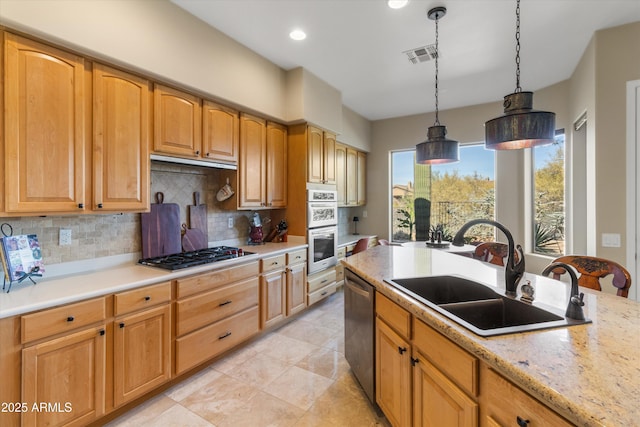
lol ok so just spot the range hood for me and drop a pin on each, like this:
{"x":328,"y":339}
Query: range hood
{"x":192,"y":162}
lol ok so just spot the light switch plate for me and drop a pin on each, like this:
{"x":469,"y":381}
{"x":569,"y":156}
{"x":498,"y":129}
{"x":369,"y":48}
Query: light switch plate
{"x":230,"y":222}
{"x":611,"y":240}
{"x":65,"y":237}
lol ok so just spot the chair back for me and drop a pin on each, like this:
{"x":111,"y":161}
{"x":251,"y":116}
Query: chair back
{"x":592,"y":269}
{"x":493,"y":253}
{"x":383,"y":242}
{"x":361,"y":245}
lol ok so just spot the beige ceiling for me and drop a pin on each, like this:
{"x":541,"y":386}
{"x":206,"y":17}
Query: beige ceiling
{"x":356,"y":45}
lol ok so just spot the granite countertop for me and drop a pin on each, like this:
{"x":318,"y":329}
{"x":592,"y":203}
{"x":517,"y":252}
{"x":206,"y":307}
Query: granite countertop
{"x":50,"y":292}
{"x":589,"y":373}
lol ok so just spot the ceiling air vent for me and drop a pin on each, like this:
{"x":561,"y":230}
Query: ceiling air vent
{"x":421,"y":54}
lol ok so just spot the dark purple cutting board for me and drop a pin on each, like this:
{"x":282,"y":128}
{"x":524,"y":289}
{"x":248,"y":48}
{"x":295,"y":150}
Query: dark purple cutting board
{"x":161,"y":229}
{"x":198,"y":221}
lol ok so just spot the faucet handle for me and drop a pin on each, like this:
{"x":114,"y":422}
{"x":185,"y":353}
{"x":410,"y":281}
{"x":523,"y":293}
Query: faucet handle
{"x":578,"y":300}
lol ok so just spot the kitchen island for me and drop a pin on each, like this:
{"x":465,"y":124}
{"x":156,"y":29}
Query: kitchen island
{"x":589,"y":374}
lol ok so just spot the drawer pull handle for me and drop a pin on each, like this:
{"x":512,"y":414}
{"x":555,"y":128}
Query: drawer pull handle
{"x":324,"y":281}
{"x":522,"y":422}
{"x":147,"y":298}
{"x":224,"y":336}
{"x":324,"y":293}
{"x":401,"y":350}
{"x":121,"y":325}
{"x":70,"y":319}
{"x":102,"y":332}
{"x":224,"y":303}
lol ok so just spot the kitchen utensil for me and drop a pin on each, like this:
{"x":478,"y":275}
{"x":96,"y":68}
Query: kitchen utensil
{"x":161,"y":229}
{"x":225,"y":192}
{"x":192,"y":239}
{"x":198,"y":220}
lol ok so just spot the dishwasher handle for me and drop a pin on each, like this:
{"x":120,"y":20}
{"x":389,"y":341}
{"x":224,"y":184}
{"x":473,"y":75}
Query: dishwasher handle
{"x":358,"y":288}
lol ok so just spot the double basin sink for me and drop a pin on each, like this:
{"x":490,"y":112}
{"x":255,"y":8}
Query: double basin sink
{"x":479,"y":308}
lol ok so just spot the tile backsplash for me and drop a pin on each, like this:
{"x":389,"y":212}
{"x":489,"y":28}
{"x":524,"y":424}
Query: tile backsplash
{"x":96,"y":236}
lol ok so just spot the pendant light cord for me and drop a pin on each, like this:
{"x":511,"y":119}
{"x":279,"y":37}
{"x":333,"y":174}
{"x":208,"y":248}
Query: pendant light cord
{"x":518,"y":88}
{"x":437,"y":122}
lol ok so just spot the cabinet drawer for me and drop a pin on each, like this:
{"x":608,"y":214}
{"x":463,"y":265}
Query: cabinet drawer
{"x":342,"y":252}
{"x":272,"y":263}
{"x":296,"y":257}
{"x":207,"y":281}
{"x":200,"y":310}
{"x":320,"y":280}
{"x":136,"y":299}
{"x":339,"y":273}
{"x":454,"y":362}
{"x":521,"y":404}
{"x":322,"y":293}
{"x":395,"y":316}
{"x":203,"y":344}
{"x":62,"y":319}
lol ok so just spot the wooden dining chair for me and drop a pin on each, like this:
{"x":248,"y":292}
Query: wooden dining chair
{"x":361,"y":245}
{"x":493,"y":253}
{"x":592,"y":269}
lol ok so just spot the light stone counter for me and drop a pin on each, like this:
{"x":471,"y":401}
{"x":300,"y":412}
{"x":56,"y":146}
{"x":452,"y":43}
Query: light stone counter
{"x":351,"y":239}
{"x":589,"y":373}
{"x":26,"y":297}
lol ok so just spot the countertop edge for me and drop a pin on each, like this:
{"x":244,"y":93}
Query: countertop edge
{"x":30,"y":298}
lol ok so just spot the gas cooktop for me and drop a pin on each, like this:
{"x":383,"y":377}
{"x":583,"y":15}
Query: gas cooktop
{"x":194,"y":258}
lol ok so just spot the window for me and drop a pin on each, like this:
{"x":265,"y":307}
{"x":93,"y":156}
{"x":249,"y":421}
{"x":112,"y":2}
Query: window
{"x":548,"y":197}
{"x":442,"y":197}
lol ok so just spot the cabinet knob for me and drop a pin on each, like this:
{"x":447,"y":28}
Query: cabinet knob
{"x":414,"y":362}
{"x":147,"y":298}
{"x":81,"y":205}
{"x":70,"y":319}
{"x":101,"y":332}
{"x":121,"y":325}
{"x":197,"y":152}
{"x":100,"y":206}
{"x":401,"y":350}
{"x":522,"y":422}
{"x":208,"y":154}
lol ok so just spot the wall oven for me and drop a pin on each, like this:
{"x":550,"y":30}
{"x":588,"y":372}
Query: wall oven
{"x":322,"y":226}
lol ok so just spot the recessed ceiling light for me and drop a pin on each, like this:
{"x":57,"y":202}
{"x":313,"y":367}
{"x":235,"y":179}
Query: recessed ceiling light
{"x":397,"y":4}
{"x":298,"y":35}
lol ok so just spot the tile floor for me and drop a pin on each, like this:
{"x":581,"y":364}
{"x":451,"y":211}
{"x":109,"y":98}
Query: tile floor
{"x":293,"y":376}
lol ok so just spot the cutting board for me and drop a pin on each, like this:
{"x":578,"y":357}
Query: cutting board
{"x":161,"y":229}
{"x":198,"y":221}
{"x":193,"y":239}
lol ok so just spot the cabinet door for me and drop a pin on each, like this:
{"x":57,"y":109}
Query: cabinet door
{"x":142,"y":355}
{"x":252,"y":168}
{"x":220,"y":133}
{"x":437,"y":401}
{"x":68,"y":372}
{"x":296,"y":283}
{"x":361,"y":178}
{"x":44,"y":128}
{"x":276,"y":165}
{"x":329,"y":158}
{"x":177,"y":122}
{"x":352,"y":177}
{"x":314,"y":155}
{"x":272,"y":298}
{"x":121,"y":125}
{"x":393,"y":375}
{"x":341,"y":174}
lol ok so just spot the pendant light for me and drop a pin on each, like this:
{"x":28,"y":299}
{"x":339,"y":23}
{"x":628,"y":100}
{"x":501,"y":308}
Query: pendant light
{"x":521,"y":126}
{"x":437,"y":149}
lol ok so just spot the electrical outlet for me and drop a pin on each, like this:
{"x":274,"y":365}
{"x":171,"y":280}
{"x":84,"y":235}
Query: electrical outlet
{"x":65,"y":237}
{"x":611,"y":240}
{"x":364,"y":214}
{"x":230,"y":223}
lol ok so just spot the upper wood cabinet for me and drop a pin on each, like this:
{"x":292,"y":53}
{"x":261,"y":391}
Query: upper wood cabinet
{"x":276,"y":165}
{"x":351,"y":173}
{"x":352,"y":177}
{"x":252,"y":167}
{"x":341,"y":174}
{"x":177,"y":122}
{"x":122,"y":121}
{"x":321,"y":157}
{"x":262,"y":171}
{"x":220,"y":133}
{"x":361,"y":193}
{"x":44,"y":116}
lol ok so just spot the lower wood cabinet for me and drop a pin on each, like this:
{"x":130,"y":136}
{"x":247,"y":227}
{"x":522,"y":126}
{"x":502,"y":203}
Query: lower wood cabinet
{"x":141,"y":353}
{"x":67,"y":375}
{"x":273,"y":298}
{"x":321,"y":285}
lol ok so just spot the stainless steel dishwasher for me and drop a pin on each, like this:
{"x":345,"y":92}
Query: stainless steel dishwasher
{"x":359,"y":331}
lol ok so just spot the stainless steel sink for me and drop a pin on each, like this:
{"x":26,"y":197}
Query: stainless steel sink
{"x":479,"y":308}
